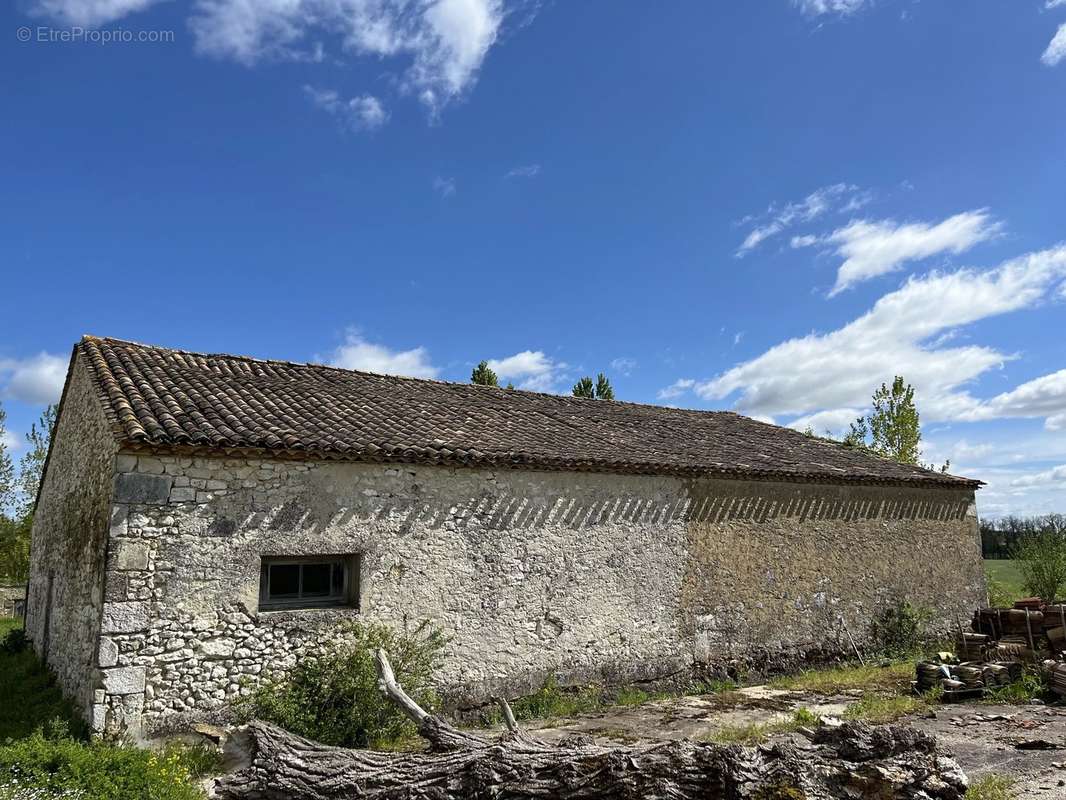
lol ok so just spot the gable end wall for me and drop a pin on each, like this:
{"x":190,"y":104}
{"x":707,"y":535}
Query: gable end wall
{"x":68,"y":542}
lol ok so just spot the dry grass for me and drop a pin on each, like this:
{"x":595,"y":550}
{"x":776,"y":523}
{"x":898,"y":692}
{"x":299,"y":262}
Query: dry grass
{"x":879,"y":709}
{"x":894,"y":677}
{"x":756,"y":733}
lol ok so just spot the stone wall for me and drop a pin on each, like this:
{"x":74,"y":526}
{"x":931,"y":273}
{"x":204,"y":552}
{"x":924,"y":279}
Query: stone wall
{"x":68,"y":542}
{"x":10,"y":598}
{"x":590,"y":576}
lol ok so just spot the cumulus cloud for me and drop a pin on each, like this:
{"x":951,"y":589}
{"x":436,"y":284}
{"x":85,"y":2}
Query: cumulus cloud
{"x":361,"y":113}
{"x":1055,"y":475}
{"x":442,"y":43}
{"x":676,"y":389}
{"x":446,"y":41}
{"x":870,"y":248}
{"x":1056,"y":49}
{"x":816,"y":8}
{"x":37,"y":380}
{"x":837,"y":370}
{"x":1041,"y":397}
{"x":833,"y":420}
{"x":838,"y":196}
{"x":358,"y":353}
{"x":530,"y":369}
{"x":528,"y":171}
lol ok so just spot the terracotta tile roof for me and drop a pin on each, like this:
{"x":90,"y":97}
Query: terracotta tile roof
{"x":161,"y":398}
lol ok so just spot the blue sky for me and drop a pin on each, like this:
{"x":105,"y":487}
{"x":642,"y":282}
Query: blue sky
{"x":769,"y":207}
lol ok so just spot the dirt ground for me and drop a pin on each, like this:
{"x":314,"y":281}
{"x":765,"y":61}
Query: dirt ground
{"x":981,"y":737}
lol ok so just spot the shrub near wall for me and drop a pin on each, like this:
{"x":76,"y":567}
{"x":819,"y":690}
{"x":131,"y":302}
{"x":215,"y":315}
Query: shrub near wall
{"x":334,"y":698}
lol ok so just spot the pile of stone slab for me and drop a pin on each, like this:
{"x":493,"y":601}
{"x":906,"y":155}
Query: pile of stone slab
{"x":966,"y":679}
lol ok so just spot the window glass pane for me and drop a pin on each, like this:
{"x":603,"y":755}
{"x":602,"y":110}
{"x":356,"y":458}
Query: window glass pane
{"x":284,"y":581}
{"x":316,"y":580}
{"x":338,"y":579}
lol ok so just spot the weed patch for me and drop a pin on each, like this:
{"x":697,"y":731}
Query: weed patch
{"x":756,"y":733}
{"x":895,"y":676}
{"x":29,"y":697}
{"x":991,"y":787}
{"x":878,"y":709}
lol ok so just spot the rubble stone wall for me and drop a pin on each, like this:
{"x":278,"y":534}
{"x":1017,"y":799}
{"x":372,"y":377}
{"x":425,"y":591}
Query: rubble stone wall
{"x":68,"y":542}
{"x":588,"y":576}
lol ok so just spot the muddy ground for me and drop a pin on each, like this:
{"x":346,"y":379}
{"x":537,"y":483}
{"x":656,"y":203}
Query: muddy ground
{"x":983,"y":738}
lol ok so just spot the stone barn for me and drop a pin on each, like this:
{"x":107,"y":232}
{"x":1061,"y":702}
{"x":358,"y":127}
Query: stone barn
{"x":205,"y":520}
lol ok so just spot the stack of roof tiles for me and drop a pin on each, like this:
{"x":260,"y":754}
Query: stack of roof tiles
{"x":161,"y":398}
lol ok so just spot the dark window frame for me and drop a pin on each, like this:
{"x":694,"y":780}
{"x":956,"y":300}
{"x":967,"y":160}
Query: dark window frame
{"x":347,"y":598}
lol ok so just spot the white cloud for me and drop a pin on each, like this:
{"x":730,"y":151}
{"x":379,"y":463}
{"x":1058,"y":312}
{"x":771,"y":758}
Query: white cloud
{"x":358,"y":353}
{"x":531,"y":369}
{"x":528,"y":171}
{"x":814,"y":205}
{"x":446,"y":40}
{"x":9,"y":441}
{"x":446,"y":186}
{"x":361,"y":113}
{"x":1054,"y":3}
{"x":676,"y":389}
{"x":870,"y":249}
{"x":1055,"y":475}
{"x":839,"y":369}
{"x":816,"y":8}
{"x":1056,"y":49}
{"x":36,"y":380}
{"x":442,"y":42}
{"x":1041,"y":397}
{"x":624,"y":366}
{"x":90,"y":13}
{"x":834,"y":420}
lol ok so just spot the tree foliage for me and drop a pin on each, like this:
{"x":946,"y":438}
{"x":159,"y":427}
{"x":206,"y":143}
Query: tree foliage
{"x":1041,"y":558}
{"x":484,"y":375}
{"x":18,"y":493}
{"x":334,"y":697}
{"x":31,"y":465}
{"x":600,"y":390}
{"x":7,"y":468}
{"x":892,"y":428}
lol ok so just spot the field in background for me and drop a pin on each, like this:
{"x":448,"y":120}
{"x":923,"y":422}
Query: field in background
{"x":1007,"y":573}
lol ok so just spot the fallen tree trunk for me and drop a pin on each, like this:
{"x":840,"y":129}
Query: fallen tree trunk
{"x":845,"y":761}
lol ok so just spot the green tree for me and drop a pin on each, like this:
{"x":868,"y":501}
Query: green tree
{"x":1041,"y":558}
{"x":31,"y":466}
{"x":484,"y":376}
{"x":892,"y":428}
{"x":604,"y":391}
{"x":7,"y":469}
{"x":600,"y":390}
{"x":584,"y":388}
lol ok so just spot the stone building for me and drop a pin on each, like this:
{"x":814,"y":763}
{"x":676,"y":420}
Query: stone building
{"x":208,"y":519}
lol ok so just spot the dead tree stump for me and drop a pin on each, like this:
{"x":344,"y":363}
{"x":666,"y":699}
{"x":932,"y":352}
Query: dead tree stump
{"x":851,"y":760}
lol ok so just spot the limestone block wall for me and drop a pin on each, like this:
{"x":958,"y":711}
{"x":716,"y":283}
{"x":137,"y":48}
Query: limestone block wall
{"x":68,"y":541}
{"x":591,"y":576}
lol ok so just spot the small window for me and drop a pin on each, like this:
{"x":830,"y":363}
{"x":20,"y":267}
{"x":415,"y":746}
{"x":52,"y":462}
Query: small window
{"x":308,"y":582}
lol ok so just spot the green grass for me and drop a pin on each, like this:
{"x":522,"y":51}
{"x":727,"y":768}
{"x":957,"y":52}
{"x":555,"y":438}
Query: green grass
{"x":29,"y":697}
{"x":1008,"y":576}
{"x":879,"y":708}
{"x":45,"y":750}
{"x":755,"y":733}
{"x":895,"y":676}
{"x":991,"y":787}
